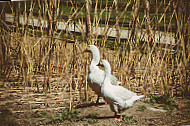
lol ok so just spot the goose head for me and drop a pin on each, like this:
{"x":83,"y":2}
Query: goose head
{"x":95,"y":53}
{"x":106,"y":66}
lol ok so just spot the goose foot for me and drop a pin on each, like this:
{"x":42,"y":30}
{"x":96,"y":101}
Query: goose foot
{"x":116,"y":117}
{"x":97,"y":101}
{"x":103,"y":106}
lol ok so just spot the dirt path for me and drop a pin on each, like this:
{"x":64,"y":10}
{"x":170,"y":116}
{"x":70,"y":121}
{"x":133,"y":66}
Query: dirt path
{"x":25,"y":106}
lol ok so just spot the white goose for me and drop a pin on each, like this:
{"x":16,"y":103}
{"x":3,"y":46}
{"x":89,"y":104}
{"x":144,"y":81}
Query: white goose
{"x":118,"y":97}
{"x":96,"y":75}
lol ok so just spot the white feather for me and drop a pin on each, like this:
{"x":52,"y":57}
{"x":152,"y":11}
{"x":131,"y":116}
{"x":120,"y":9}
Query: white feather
{"x":118,"y":97}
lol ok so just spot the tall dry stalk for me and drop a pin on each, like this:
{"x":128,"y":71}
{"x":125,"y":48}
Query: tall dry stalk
{"x":40,"y":54}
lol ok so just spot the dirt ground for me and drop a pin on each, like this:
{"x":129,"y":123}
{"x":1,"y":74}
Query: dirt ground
{"x":21,"y":105}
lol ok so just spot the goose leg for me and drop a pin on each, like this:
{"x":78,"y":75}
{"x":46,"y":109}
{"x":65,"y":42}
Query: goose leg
{"x":116,"y":117}
{"x":97,"y":101}
{"x":120,"y":117}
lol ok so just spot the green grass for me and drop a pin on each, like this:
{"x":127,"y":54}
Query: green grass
{"x":54,"y":119}
{"x":141,"y":108}
{"x":93,"y":115}
{"x":6,"y":118}
{"x":38,"y":115}
{"x":128,"y":120}
{"x":72,"y":116}
{"x":35,"y":107}
{"x":166,"y":101}
{"x":92,"y":121}
{"x":167,"y":107}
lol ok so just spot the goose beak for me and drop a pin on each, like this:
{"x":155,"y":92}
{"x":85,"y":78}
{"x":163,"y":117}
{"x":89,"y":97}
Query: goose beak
{"x":86,"y":50}
{"x":99,"y":64}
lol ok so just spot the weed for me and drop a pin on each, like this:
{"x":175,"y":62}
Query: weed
{"x":167,"y":107}
{"x":53,"y":119}
{"x":92,"y":121}
{"x":9,"y":122}
{"x":85,"y":124}
{"x":35,"y":107}
{"x":141,"y":108}
{"x":6,"y":119}
{"x":169,"y":113}
{"x":68,"y":104}
{"x":72,"y":116}
{"x":165,"y":100}
{"x":128,"y":120}
{"x":6,"y":111}
{"x":38,"y":115}
{"x":93,"y":115}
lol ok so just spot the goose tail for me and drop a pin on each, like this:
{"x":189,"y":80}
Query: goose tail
{"x":130,"y":102}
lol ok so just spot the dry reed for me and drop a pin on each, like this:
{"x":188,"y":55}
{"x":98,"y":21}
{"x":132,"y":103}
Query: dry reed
{"x":44,"y":56}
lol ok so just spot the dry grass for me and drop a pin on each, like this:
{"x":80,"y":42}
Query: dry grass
{"x":44,"y":57}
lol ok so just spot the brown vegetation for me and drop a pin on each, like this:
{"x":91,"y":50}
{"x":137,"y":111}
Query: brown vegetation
{"x":41,"y":56}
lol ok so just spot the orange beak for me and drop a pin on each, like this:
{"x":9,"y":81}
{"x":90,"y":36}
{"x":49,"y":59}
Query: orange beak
{"x":99,"y":64}
{"x":85,"y":50}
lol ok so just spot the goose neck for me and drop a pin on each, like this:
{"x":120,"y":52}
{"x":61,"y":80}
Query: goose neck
{"x":95,"y":58}
{"x":107,"y":70}
{"x":93,"y":67}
